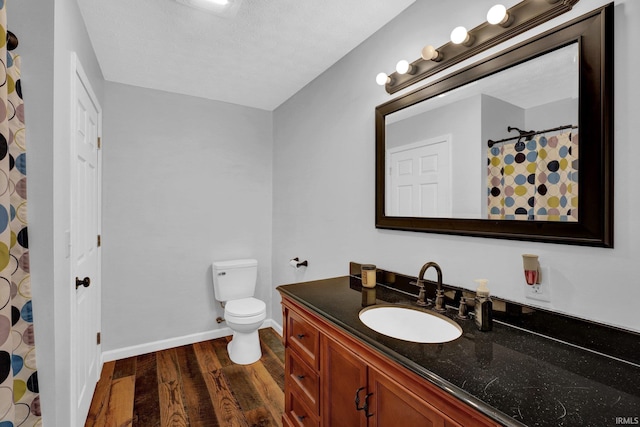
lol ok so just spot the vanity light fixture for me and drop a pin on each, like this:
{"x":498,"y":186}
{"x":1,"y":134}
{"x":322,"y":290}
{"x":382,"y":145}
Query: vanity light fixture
{"x":501,"y":25}
{"x":498,"y":15}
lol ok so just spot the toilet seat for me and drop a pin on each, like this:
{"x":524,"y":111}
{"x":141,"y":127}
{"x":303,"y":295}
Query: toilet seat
{"x":245,"y":310}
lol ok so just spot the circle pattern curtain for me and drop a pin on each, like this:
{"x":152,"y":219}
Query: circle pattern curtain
{"x":19,"y":398}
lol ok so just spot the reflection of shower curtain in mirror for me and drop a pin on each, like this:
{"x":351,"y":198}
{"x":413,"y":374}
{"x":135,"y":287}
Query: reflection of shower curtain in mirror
{"x":534,"y":180}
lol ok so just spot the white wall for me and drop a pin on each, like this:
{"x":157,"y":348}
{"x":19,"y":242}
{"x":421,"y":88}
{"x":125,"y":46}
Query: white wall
{"x":45,"y":28}
{"x":324,"y":177}
{"x":186,"y":181}
{"x":554,"y":114}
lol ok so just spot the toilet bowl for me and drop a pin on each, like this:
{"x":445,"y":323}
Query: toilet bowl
{"x":234,"y":284}
{"x":244,"y":317}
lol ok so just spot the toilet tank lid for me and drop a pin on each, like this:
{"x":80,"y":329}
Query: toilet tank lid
{"x":236,"y":263}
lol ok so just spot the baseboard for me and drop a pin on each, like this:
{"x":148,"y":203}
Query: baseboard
{"x":136,"y":350}
{"x":270,"y":323}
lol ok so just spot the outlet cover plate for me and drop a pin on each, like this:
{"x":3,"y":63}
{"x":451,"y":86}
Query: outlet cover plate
{"x":541,"y":291}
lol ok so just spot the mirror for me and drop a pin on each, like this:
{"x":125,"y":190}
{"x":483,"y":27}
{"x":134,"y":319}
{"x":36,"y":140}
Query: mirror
{"x":495,"y":149}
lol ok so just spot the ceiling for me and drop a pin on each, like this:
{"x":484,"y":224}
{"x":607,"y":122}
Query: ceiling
{"x":258,"y":57}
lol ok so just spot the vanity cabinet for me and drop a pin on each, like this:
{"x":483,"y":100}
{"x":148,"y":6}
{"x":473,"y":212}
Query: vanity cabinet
{"x":327,"y":370}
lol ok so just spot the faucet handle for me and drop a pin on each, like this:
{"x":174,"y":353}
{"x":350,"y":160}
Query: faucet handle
{"x":462,"y":310}
{"x":422,"y":295}
{"x":440,"y":302}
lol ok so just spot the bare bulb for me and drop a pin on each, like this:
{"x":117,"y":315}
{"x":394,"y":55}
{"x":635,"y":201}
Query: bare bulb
{"x":403,"y":67}
{"x":429,"y":53}
{"x":497,"y":15}
{"x":459,"y":35}
{"x":382,"y":79}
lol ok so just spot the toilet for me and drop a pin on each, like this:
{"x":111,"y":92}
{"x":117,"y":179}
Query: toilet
{"x":234,"y":283}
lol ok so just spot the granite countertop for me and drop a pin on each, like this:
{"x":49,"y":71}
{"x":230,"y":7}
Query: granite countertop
{"x":513,"y":376}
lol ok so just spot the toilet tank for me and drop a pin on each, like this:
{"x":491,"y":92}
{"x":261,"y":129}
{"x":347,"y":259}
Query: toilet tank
{"x":234,"y":279}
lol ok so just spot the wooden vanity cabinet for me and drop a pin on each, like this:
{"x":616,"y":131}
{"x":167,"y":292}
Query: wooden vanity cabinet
{"x":344,"y":369}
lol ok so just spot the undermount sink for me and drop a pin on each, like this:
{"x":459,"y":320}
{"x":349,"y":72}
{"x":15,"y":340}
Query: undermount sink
{"x":410,"y":324}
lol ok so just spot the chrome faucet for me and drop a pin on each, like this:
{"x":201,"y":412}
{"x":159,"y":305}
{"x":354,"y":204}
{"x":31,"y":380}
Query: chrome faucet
{"x":439,"y":305}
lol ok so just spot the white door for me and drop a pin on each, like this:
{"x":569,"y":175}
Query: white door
{"x":85,"y":252}
{"x":419,"y":179}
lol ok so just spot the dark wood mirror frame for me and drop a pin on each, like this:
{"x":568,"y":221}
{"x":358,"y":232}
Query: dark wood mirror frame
{"x":594,"y":34}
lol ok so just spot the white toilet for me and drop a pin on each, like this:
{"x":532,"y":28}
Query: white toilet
{"x":234,"y":283}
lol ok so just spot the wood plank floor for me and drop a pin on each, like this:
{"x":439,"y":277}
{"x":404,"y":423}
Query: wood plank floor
{"x":194,"y":385}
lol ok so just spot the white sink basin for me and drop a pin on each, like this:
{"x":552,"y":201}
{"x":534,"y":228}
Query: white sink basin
{"x":410,"y":324}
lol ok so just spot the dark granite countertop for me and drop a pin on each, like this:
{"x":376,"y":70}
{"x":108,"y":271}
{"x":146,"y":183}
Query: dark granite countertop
{"x":513,"y":376}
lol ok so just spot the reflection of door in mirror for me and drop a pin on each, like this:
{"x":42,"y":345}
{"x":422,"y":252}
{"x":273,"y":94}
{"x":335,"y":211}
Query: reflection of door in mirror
{"x":419,"y":178}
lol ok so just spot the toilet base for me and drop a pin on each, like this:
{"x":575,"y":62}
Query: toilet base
{"x":244,"y":348}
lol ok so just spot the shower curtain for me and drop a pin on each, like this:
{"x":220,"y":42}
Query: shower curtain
{"x":19,"y":399}
{"x":534,"y":180}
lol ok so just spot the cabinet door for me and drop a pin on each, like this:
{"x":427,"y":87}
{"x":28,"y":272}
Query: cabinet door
{"x":342,"y":375}
{"x":394,"y":406}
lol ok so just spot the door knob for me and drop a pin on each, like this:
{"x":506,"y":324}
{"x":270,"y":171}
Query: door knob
{"x":84,"y":282}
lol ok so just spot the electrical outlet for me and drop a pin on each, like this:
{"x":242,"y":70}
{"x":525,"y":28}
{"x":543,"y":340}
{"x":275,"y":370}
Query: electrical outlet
{"x":540,"y":291}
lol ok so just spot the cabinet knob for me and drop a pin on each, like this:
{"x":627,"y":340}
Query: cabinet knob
{"x":300,"y":336}
{"x":301,"y":417}
{"x":300,"y":377}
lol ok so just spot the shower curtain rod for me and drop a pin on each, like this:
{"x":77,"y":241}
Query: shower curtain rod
{"x":528,"y":134}
{"x":12,"y":41}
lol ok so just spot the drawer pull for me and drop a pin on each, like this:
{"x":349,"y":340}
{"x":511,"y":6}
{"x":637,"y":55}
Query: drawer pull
{"x":364,"y":407}
{"x":300,"y":336}
{"x":357,"y":400}
{"x":301,"y":417}
{"x":300,"y":377}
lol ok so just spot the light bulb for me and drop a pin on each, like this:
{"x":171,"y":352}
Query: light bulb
{"x":497,"y":15}
{"x":382,"y":79}
{"x":429,"y":53}
{"x":459,"y":35}
{"x":403,"y":67}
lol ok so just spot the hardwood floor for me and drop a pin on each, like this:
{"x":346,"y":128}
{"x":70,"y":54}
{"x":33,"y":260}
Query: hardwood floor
{"x":193,"y":385}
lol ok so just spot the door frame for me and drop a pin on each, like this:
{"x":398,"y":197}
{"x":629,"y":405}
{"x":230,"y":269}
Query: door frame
{"x":77,"y":72}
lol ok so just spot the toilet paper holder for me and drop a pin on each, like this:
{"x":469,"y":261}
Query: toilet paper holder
{"x":296,"y":263}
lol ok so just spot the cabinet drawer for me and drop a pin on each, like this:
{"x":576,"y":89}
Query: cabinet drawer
{"x":297,"y":414}
{"x":303,"y":337}
{"x":302,"y":380}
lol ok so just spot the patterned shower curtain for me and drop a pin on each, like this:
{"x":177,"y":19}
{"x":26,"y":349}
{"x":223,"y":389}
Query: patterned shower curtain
{"x":534,"y":180}
{"x":19,"y":399}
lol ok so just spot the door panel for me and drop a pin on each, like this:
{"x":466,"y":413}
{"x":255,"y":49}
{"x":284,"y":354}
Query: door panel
{"x":342,"y":375}
{"x":419,"y":177}
{"x":85,"y":205}
{"x":394,"y":406}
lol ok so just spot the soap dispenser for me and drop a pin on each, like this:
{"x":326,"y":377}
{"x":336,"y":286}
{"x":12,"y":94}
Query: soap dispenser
{"x":483,"y":306}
